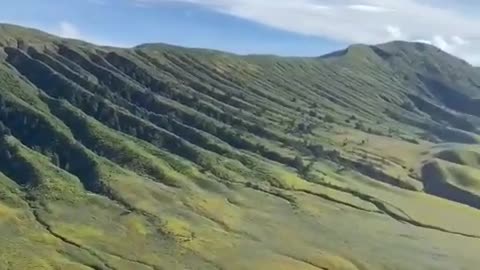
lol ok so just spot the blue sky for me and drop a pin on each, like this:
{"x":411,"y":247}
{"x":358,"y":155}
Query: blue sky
{"x":285,"y":27}
{"x":127,"y":23}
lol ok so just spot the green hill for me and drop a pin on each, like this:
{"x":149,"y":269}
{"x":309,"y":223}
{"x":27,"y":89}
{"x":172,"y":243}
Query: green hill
{"x":161,"y":157}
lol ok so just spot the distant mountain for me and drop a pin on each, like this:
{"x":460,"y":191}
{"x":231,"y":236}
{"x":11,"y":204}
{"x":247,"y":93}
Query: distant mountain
{"x":162,"y":157}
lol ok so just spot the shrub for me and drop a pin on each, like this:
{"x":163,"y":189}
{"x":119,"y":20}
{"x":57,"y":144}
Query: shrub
{"x":317,"y":150}
{"x":359,"y":126}
{"x":297,"y":163}
{"x":329,"y":118}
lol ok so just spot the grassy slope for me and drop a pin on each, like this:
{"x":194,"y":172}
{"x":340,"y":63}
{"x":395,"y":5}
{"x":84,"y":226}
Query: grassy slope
{"x":160,"y":157}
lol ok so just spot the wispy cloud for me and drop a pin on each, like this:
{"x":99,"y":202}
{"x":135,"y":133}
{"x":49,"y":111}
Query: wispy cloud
{"x":368,"y":8}
{"x":68,"y":30}
{"x":395,"y":32}
{"x":360,"y":21}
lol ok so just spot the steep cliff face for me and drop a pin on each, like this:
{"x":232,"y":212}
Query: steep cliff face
{"x":160,"y":157}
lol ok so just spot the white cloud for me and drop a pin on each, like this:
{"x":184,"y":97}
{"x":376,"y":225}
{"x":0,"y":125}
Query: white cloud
{"x":459,"y":41}
{"x":424,"y":41}
{"x":395,"y":32}
{"x":441,"y":43}
{"x":68,"y":30}
{"x":368,"y":8}
{"x":361,"y":21}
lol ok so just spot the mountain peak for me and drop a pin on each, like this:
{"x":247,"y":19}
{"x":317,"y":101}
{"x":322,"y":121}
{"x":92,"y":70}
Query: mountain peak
{"x":391,"y":47}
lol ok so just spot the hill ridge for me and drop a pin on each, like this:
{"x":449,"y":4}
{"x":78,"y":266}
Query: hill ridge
{"x":12,"y":28}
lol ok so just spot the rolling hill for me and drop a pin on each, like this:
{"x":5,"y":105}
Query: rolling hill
{"x":162,"y":157}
